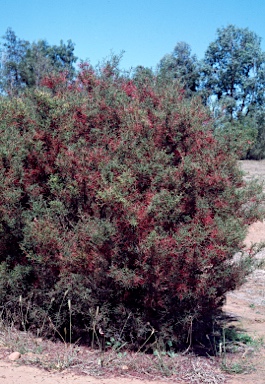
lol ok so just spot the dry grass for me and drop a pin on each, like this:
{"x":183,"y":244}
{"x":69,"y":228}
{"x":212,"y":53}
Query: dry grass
{"x":82,"y":360}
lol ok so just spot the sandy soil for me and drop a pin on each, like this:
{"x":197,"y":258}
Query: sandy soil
{"x":11,"y":374}
{"x":246,"y":306}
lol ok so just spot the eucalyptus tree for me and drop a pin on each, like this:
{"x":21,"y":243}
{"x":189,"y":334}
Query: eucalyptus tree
{"x":233,"y":83}
{"x":182,"y":66}
{"x":42,"y":59}
{"x":24,"y":64}
{"x":13,"y":50}
{"x":234,"y":71}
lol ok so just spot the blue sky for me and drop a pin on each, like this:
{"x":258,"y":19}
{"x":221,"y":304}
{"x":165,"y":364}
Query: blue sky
{"x":145,"y":29}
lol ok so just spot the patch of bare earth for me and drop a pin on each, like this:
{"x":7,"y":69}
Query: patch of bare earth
{"x":55,"y":363}
{"x":247,"y":304}
{"x":61,"y":363}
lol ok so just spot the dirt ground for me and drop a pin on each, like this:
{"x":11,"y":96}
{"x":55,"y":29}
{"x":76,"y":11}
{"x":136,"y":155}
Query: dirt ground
{"x":246,"y":305}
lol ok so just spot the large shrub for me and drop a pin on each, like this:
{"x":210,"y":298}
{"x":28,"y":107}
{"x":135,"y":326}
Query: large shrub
{"x":116,"y":196}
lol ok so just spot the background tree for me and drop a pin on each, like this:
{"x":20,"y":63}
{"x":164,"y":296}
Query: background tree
{"x":234,"y":69}
{"x":233,"y":78}
{"x":181,"y":65}
{"x":143,"y":75}
{"x":257,"y":151}
{"x":12,"y":53}
{"x":41,"y":59}
{"x":25,"y":65}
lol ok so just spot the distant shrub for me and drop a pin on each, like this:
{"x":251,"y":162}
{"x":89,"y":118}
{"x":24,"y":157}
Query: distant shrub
{"x":239,"y":137}
{"x":257,"y":151}
{"x":116,"y":196}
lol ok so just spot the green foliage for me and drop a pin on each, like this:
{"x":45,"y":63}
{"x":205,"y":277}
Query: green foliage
{"x":14,"y":49}
{"x":143,"y":76}
{"x":232,"y":80}
{"x":42,"y":59}
{"x":25,"y":64}
{"x":181,"y":66}
{"x":238,"y":136}
{"x":232,"y":335}
{"x":257,"y":151}
{"x":14,"y":281}
{"x":234,"y":70}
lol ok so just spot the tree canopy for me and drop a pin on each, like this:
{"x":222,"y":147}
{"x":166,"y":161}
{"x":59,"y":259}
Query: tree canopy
{"x":234,"y":71}
{"x":182,"y":66}
{"x":25,"y":64}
